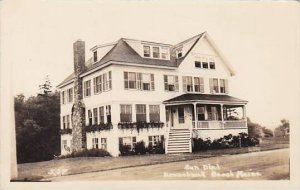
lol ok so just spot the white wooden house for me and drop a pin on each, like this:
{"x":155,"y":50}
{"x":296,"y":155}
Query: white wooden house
{"x":135,"y":90}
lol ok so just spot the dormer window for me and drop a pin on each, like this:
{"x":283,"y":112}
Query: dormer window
{"x":155,"y":52}
{"x":146,"y":51}
{"x":164,"y":53}
{"x":95,"y":56}
{"x":179,"y":53}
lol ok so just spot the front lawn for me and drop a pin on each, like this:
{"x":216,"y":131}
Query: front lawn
{"x":69,"y":166}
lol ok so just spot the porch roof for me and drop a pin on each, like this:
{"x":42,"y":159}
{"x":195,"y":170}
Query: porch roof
{"x":207,"y":98}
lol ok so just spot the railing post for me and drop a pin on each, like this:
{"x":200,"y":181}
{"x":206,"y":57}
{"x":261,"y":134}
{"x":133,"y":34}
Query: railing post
{"x":195,"y":115}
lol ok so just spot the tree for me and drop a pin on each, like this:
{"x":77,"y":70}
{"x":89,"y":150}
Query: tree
{"x":254,"y":129}
{"x":37,"y":126}
{"x":46,"y":87}
{"x":283,"y":130}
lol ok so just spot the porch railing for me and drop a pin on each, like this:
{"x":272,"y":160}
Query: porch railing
{"x":219,"y":124}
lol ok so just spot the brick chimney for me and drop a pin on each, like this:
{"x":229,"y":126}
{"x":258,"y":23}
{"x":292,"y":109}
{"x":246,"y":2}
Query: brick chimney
{"x":78,"y":109}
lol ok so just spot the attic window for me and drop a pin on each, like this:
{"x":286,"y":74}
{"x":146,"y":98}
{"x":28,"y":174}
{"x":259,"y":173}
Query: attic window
{"x":164,"y":53}
{"x":146,"y":51}
{"x":155,"y":52}
{"x":198,"y":64}
{"x":95,"y":56}
{"x":179,"y":53}
{"x":212,"y":65}
{"x":204,"y":63}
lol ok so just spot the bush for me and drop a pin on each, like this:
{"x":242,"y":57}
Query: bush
{"x":228,"y":141}
{"x":140,"y":148}
{"x":124,"y":149}
{"x":87,"y":153}
{"x":157,"y":149}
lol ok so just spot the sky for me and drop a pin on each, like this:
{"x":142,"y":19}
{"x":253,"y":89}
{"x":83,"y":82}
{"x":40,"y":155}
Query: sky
{"x":260,"y":39}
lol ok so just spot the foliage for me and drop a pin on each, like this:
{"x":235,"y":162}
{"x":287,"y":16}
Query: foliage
{"x":157,"y":149}
{"x":140,"y":148}
{"x":258,"y":131}
{"x":65,"y":131}
{"x":228,"y":141}
{"x":125,"y":150}
{"x":37,"y":127}
{"x":283,"y":129}
{"x":140,"y":125}
{"x":98,"y":127}
{"x":87,"y":153}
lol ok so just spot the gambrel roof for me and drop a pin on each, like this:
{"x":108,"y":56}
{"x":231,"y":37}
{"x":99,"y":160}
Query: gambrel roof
{"x":123,"y":52}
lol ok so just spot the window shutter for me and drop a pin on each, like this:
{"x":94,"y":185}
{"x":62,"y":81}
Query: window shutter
{"x":176,"y":84}
{"x":166,"y":82}
{"x":152,"y":82}
{"x":126,"y":80}
{"x":226,"y":86}
{"x":139,"y":81}
{"x":211,"y":85}
{"x":110,"y":79}
{"x":201,"y":85}
{"x":94,"y":82}
{"x":184,"y":82}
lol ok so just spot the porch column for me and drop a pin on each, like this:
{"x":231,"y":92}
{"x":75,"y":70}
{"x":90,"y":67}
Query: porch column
{"x":222,"y":117}
{"x":195,"y":115}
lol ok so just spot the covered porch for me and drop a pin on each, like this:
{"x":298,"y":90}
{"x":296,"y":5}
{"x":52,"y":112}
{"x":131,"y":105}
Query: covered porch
{"x":205,"y":111}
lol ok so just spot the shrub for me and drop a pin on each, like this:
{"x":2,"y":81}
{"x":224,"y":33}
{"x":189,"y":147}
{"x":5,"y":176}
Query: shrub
{"x":140,"y":148}
{"x":157,"y":149}
{"x":87,"y":153}
{"x":125,"y":150}
{"x":228,"y":141}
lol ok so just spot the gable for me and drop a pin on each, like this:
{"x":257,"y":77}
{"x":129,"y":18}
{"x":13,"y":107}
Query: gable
{"x":204,"y":50}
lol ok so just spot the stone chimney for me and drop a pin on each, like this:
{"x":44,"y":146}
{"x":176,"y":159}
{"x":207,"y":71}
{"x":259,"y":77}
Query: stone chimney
{"x":78,"y":109}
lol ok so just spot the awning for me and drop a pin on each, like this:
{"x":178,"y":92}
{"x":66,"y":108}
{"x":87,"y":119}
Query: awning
{"x":204,"y":98}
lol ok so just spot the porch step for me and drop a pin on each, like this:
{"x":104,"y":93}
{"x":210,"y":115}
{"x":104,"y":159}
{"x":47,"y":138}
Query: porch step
{"x":179,"y":141}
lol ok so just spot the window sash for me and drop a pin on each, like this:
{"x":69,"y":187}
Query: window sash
{"x":146,"y":51}
{"x":155,"y":52}
{"x":126,"y":113}
{"x":95,"y":110}
{"x":171,"y":83}
{"x":187,"y":83}
{"x":101,"y":114}
{"x":95,"y":143}
{"x":87,"y":88}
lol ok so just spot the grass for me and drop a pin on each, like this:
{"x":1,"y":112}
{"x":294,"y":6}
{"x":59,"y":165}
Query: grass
{"x":42,"y":170}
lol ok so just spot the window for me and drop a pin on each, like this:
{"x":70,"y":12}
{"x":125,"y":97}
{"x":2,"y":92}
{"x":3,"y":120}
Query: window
{"x":198,"y":64}
{"x":139,"y":81}
{"x":70,"y":95}
{"x":222,"y":86}
{"x":180,"y":115}
{"x":212,"y":65}
{"x":95,"y":143}
{"x":128,"y":141}
{"x":130,"y":80}
{"x":171,"y":83}
{"x":63,"y":97}
{"x":95,"y":56}
{"x":140,"y":112}
{"x":101,"y":114}
{"x":87,"y":88}
{"x":187,"y":84}
{"x":154,"y":113}
{"x":68,"y":121}
{"x":164,"y":53}
{"x":126,"y":113}
{"x":214,"y":85}
{"x":95,"y":110}
{"x":97,"y":84}
{"x":212,"y":113}
{"x":64,"y":144}
{"x":199,"y":84}
{"x":90,"y":117}
{"x":153,"y":140}
{"x":64,"y":122}
{"x":204,"y":63}
{"x":104,"y":143}
{"x":201,"y":113}
{"x":179,"y":53}
{"x":108,"y":114}
{"x":146,"y":51}
{"x":155,"y":52}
